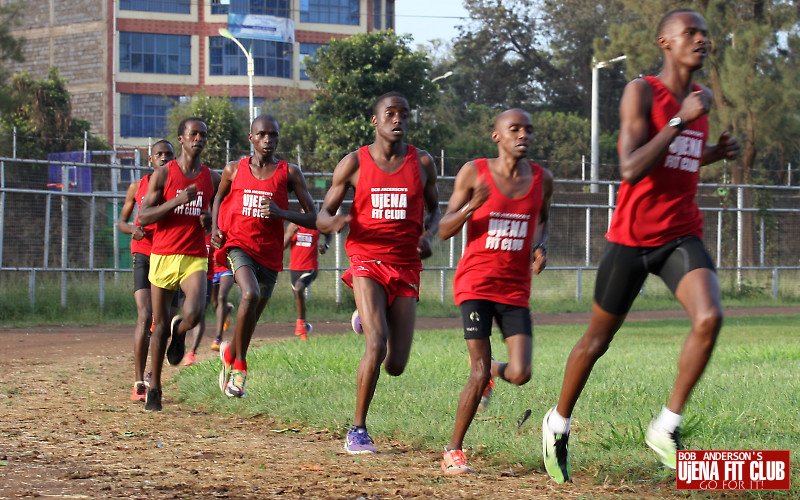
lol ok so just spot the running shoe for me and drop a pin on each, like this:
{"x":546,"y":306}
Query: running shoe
{"x":225,"y":373}
{"x":355,"y":322}
{"x":235,"y":385}
{"x":153,"y":400}
{"x":139,"y":392}
{"x":555,"y":450}
{"x":148,"y":378}
{"x":228,"y":311}
{"x":358,"y":441}
{"x":215,"y":344}
{"x":455,"y":462}
{"x":188,"y":360}
{"x":177,"y":343}
{"x":302,"y":330}
{"x":486,"y":397}
{"x":666,"y":444}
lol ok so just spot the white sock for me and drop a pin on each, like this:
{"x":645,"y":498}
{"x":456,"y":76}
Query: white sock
{"x":667,"y":420}
{"x":558,"y":424}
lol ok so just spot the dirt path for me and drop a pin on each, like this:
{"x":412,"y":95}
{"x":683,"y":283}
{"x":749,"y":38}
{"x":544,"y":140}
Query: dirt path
{"x":67,"y":429}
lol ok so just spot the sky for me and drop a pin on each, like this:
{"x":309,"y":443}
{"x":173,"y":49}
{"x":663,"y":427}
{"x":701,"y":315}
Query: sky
{"x":429,"y":19}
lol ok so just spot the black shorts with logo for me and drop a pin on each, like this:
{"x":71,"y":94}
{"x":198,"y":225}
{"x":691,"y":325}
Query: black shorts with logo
{"x":477,"y":316}
{"x":623,"y":269}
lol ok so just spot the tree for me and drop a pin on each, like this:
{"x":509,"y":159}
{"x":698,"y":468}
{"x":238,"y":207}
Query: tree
{"x":350,"y":74}
{"x":225,"y":121}
{"x":10,"y":46}
{"x":41,"y":112}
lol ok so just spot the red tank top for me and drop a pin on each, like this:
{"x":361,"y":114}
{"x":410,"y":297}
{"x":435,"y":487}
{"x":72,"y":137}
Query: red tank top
{"x":387,"y":212}
{"x":496,"y":264}
{"x":145,"y":244}
{"x":304,"y":256}
{"x":260,"y":238}
{"x":180,"y":232}
{"x":662,"y":207}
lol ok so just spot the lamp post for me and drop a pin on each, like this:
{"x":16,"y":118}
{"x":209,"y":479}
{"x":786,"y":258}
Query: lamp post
{"x":596,"y":65}
{"x":250,"y":68}
{"x":442,"y":77}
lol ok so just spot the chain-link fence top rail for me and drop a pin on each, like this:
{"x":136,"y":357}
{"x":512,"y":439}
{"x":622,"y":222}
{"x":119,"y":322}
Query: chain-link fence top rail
{"x":61,"y":216}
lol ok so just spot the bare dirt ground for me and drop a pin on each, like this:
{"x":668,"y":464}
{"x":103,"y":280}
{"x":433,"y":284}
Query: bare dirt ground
{"x":68,"y":430}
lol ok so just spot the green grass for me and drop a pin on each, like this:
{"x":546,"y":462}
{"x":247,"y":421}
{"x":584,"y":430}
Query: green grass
{"x":552,"y":292}
{"x":748,"y":398}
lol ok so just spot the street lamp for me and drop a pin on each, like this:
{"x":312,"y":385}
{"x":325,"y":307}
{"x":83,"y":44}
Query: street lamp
{"x":442,"y":77}
{"x":250,"y":68}
{"x":596,"y":65}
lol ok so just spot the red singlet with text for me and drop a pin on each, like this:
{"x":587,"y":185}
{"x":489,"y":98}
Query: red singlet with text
{"x":304,"y":256}
{"x":261,"y":238}
{"x":145,"y":244}
{"x":496,"y":264}
{"x":387,"y":212}
{"x":180,"y":232}
{"x":662,"y":207}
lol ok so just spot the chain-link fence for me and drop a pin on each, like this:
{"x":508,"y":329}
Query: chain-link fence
{"x":57,"y":221}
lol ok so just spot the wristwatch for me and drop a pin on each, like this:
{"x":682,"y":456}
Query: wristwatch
{"x":677,"y":123}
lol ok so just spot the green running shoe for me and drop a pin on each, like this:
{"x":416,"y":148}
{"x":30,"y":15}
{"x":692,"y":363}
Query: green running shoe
{"x":665,"y":444}
{"x":555,"y":450}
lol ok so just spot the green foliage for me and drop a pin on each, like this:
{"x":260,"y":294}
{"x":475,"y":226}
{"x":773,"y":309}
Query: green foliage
{"x":11,"y":15}
{"x":350,"y":74}
{"x":225,"y":121}
{"x":41,"y":111}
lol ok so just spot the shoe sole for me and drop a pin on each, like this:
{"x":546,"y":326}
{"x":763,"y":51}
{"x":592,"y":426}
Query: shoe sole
{"x":546,"y":429}
{"x":224,"y":374}
{"x":358,"y":329}
{"x":177,"y":343}
{"x":454,"y":472}
{"x":359,"y":452}
{"x":662,"y":457}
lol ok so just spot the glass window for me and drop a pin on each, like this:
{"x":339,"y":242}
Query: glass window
{"x":269,"y":58}
{"x":330,"y":11}
{"x":308,"y":50}
{"x":144,"y":115}
{"x":277,"y":8}
{"x":155,"y":53}
{"x":172,"y":6}
{"x":376,"y":14}
{"x":389,"y":15}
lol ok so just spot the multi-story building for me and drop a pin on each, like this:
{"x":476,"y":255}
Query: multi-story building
{"x":129,"y":61}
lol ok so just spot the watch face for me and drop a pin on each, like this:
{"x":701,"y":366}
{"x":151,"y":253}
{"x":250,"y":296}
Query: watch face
{"x":675,"y":122}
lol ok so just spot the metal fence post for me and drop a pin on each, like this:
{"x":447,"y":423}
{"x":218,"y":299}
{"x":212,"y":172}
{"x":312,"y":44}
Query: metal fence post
{"x":588,"y":236}
{"x":32,"y":289}
{"x":774,"y":282}
{"x":64,"y":232}
{"x":102,"y":289}
{"x":739,"y":232}
{"x":579,"y":284}
{"x":2,"y":207}
{"x":92,"y":215}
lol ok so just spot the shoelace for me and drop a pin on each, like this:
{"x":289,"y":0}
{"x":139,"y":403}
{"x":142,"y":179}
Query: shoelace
{"x":458,"y":458}
{"x":363,"y":438}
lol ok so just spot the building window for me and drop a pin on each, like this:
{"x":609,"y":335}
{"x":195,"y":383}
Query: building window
{"x":171,"y":6}
{"x":389,"y":15}
{"x":155,"y":53}
{"x":277,"y":8}
{"x":269,"y":58}
{"x":376,"y":14}
{"x":330,"y":11}
{"x":308,"y":50}
{"x":144,"y":115}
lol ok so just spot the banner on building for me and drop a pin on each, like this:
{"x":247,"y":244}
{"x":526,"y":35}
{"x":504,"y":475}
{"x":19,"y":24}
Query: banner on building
{"x":278,"y":29}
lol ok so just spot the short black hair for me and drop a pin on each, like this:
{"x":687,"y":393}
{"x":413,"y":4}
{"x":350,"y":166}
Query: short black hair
{"x":163,"y":141}
{"x":265,"y":117}
{"x":665,"y":20}
{"x":384,"y":96}
{"x":182,"y":124}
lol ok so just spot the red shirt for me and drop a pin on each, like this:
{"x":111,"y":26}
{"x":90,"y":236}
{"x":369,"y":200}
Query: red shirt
{"x":180,"y":232}
{"x":145,"y":244}
{"x":387,"y":212}
{"x":496,"y":264}
{"x":260,"y":238}
{"x":662,"y":207}
{"x":304,"y":256}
